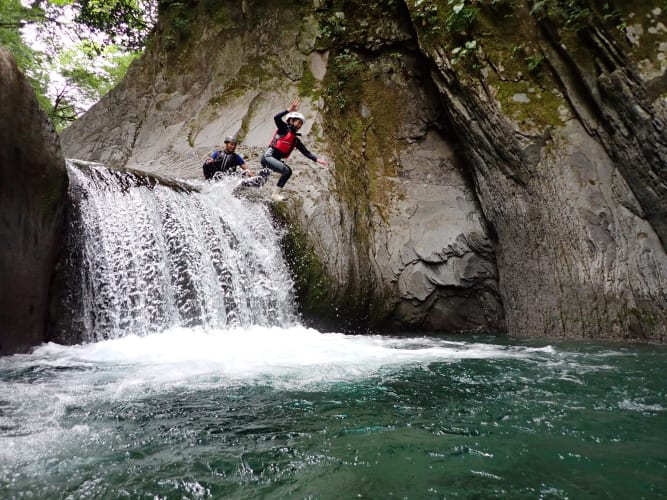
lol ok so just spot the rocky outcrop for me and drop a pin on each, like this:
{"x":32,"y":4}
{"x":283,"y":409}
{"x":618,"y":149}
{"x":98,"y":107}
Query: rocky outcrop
{"x":33,"y":185}
{"x":491,"y":170}
{"x":576,"y":195}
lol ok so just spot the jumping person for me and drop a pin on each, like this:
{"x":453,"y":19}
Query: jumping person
{"x":225,"y":161}
{"x":285,"y":139}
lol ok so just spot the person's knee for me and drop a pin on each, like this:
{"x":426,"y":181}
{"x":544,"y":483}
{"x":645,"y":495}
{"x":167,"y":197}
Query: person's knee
{"x":273,"y":164}
{"x":264,"y":161}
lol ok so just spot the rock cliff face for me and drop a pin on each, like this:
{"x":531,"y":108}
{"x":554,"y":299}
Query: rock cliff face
{"x":33,"y":186}
{"x":494,"y":166}
{"x":569,"y":165}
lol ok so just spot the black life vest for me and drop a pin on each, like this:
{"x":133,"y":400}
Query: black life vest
{"x":286,"y":143}
{"x":224,"y":163}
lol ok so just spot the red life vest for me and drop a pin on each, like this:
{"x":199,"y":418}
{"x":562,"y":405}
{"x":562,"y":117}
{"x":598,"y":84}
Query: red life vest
{"x":284,"y":143}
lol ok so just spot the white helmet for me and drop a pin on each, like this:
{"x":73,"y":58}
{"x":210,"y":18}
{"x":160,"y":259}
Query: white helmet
{"x":295,"y":114}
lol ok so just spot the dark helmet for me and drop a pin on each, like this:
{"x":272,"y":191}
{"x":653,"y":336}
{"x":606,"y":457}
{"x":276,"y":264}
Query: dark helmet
{"x":230,"y":138}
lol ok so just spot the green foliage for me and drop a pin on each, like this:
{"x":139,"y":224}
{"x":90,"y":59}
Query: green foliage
{"x":457,"y":16}
{"x":462,"y":17}
{"x":574,"y":14}
{"x":34,"y":64}
{"x":467,"y":50}
{"x":94,"y":77}
{"x":178,"y":16}
{"x":351,"y":20}
{"x":122,"y":22}
{"x":85,"y":74}
{"x":67,"y":76}
{"x":455,"y":24}
{"x":119,"y":65}
{"x":13,"y":16}
{"x":535,"y":63}
{"x":345,"y":79}
{"x":180,"y":24}
{"x":426,"y":14}
{"x":332,"y":27}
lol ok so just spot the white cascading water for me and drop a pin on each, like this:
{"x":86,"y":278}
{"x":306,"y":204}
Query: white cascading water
{"x":155,"y":258}
{"x":189,"y":283}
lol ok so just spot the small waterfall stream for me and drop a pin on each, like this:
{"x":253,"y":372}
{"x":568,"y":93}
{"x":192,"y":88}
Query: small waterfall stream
{"x":143,"y":256}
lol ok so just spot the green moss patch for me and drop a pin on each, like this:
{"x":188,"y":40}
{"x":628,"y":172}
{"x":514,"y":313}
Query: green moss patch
{"x":530,"y":107}
{"x":308,"y":85}
{"x":525,"y":89}
{"x":311,"y":279}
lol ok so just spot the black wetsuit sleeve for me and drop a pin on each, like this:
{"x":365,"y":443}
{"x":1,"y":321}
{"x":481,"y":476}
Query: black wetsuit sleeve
{"x":304,"y":151}
{"x":282,"y":126}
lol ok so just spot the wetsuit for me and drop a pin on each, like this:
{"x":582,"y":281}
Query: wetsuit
{"x":221,"y":161}
{"x":273,"y":158}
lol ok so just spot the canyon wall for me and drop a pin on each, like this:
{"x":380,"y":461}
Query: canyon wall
{"x":494,"y":166}
{"x":33,"y":187}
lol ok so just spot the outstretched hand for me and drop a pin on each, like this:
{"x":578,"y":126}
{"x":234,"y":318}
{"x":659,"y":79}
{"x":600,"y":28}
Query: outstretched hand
{"x":294,"y":105}
{"x":322,"y":162}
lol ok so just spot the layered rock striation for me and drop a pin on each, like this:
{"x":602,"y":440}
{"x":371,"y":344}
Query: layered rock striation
{"x":569,"y":165}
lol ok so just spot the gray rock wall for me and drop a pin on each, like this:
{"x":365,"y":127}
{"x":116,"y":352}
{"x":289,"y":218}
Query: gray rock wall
{"x":33,"y":185}
{"x":576,"y":198}
{"x":509,"y":176}
{"x":398,"y":239}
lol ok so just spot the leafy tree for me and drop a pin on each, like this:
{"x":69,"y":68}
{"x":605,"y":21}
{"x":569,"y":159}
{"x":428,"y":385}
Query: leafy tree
{"x":87,"y":72}
{"x":74,"y":51}
{"x":12,"y":17}
{"x":124,"y":22}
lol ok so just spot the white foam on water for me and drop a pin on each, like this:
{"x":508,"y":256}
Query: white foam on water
{"x":640,"y":406}
{"x":286,"y":358}
{"x":40,"y":389}
{"x":263,"y":353}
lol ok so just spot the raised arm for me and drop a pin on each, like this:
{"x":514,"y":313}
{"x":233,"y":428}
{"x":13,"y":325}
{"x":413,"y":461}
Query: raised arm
{"x":282,"y":126}
{"x":280,"y":123}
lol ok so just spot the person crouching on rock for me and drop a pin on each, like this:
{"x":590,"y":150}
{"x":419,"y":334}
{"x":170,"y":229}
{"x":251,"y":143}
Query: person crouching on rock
{"x":225,"y":161}
{"x":285,"y":139}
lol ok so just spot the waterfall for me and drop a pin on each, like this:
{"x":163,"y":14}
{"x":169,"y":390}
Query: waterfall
{"x":143,"y":256}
